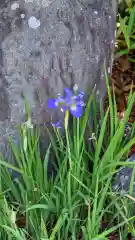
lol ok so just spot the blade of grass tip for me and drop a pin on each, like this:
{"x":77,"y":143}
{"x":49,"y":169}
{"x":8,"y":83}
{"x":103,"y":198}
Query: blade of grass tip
{"x":110,"y":103}
{"x":58,"y":225}
{"x":27,"y":108}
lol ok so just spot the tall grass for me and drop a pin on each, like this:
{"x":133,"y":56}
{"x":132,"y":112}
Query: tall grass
{"x":77,"y":199}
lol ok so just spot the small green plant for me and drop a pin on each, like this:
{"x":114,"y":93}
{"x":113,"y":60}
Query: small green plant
{"x":126,"y":31}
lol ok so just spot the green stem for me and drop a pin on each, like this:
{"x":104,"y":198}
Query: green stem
{"x":67,"y":137}
{"x":78,"y":138}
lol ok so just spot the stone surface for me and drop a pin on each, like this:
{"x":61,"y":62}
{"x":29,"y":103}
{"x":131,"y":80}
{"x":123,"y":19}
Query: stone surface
{"x":123,"y":178}
{"x":68,"y":47}
{"x":33,"y":22}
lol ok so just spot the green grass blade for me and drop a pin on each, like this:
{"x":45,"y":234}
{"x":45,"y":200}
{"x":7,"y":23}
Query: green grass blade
{"x":131,"y":21}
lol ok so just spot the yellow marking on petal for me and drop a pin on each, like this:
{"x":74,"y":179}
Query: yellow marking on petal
{"x":73,"y":107}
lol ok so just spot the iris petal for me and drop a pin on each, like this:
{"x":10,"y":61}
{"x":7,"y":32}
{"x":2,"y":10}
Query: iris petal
{"x":81,"y":95}
{"x":57,"y":124}
{"x":60,"y":99}
{"x":76,"y":111}
{"x":81,"y":103}
{"x":68,"y":93}
{"x":64,"y":108}
{"x":53,"y":103}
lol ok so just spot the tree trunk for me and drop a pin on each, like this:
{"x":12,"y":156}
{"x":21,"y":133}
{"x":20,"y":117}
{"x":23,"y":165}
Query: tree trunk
{"x":47,"y":45}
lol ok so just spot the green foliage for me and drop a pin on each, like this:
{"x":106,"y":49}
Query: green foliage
{"x":73,"y":203}
{"x":126,"y":28}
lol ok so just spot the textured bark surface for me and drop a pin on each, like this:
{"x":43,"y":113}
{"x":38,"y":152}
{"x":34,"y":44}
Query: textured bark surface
{"x":69,"y":47}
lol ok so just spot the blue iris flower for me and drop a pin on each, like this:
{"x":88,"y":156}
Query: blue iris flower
{"x":72,"y":102}
{"x":57,"y":124}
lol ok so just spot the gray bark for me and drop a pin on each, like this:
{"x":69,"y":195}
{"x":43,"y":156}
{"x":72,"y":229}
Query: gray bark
{"x":69,"y":47}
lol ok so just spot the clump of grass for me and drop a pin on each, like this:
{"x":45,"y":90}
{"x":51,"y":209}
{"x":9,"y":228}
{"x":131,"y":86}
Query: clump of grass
{"x":74,"y":203}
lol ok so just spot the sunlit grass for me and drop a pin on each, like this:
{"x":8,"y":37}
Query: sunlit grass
{"x":74,"y":201}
